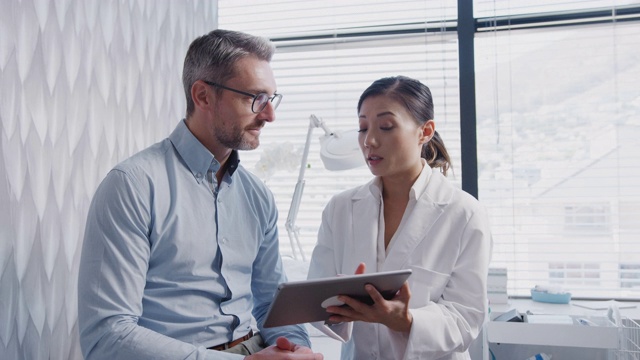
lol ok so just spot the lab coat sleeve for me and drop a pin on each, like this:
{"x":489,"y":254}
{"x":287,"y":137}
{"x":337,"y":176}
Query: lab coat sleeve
{"x":325,"y":262}
{"x":340,"y":332}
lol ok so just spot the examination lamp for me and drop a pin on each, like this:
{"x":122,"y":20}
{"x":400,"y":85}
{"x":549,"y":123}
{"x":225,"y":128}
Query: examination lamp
{"x":338,"y":151}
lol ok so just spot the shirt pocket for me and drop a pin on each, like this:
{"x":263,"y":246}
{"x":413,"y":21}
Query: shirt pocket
{"x":426,"y":285}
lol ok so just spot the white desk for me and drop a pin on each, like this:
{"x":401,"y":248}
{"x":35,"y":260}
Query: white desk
{"x":524,"y":305}
{"x":519,"y":333}
{"x":603,"y":336}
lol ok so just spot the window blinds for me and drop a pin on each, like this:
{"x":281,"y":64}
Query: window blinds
{"x":325,"y":75}
{"x":558,"y":113}
{"x":557,"y":117}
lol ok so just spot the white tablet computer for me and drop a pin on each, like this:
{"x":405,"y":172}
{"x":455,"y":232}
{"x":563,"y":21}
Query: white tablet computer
{"x":298,"y":302}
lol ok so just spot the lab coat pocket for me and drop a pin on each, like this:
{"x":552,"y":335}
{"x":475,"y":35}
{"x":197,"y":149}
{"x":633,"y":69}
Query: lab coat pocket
{"x":426,"y":285}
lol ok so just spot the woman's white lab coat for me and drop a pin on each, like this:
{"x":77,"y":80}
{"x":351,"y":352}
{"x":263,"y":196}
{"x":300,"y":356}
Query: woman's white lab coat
{"x":446,"y":241}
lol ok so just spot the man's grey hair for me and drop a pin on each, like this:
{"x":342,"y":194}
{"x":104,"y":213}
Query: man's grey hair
{"x":213,"y":57}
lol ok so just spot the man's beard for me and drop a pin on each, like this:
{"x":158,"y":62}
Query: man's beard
{"x":232,"y":138}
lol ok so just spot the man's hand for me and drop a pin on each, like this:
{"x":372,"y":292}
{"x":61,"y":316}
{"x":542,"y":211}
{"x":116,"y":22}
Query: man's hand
{"x":285,"y":350}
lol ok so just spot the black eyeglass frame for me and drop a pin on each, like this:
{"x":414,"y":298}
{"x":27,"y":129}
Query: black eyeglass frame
{"x":275,"y":99}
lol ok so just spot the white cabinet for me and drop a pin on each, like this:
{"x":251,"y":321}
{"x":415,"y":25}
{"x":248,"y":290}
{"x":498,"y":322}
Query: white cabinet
{"x":563,"y":330}
{"x":601,"y":337}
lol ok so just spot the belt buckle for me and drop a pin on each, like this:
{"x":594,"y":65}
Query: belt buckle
{"x":232,"y":343}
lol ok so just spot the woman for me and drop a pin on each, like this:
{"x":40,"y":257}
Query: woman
{"x":408,"y":216}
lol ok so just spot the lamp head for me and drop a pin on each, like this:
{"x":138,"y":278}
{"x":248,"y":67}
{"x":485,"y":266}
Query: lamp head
{"x":340,"y":151}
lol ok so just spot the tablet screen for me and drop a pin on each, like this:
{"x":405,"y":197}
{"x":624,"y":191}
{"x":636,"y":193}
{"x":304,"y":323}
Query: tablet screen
{"x":298,"y":302}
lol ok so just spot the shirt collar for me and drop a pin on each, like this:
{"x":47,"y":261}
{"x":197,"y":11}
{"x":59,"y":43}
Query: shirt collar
{"x":233,"y":161}
{"x":417,"y":188}
{"x":195,"y":155}
{"x":421,"y":182}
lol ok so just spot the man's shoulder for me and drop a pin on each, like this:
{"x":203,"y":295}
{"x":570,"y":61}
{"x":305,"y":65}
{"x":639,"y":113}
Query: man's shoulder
{"x":251,"y":181}
{"x":146,"y":160}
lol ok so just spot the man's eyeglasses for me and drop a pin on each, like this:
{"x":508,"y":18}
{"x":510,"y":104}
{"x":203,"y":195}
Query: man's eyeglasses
{"x":260,"y":100}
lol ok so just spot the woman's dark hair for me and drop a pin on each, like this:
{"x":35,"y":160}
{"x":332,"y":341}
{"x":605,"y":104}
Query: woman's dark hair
{"x":416,"y":98}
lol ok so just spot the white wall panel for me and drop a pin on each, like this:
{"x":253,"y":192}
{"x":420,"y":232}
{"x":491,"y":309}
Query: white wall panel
{"x":83,"y":85}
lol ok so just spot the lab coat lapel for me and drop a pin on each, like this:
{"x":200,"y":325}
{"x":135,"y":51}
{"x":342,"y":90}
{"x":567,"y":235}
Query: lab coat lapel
{"x":430,"y":205}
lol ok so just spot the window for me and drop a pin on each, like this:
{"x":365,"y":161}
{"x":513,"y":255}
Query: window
{"x":571,"y":274}
{"x":586,"y":220}
{"x":630,"y":275}
{"x":558,"y":122}
{"x":557,"y":119}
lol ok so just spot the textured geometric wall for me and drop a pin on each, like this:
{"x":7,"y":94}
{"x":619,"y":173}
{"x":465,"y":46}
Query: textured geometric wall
{"x":83,"y":85}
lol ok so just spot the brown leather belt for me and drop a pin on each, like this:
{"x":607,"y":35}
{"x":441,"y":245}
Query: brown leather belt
{"x":233,"y":343}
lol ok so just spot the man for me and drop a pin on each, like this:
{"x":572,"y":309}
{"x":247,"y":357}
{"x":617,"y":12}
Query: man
{"x":181,"y":242}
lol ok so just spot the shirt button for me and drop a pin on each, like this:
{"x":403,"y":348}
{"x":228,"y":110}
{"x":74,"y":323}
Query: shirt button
{"x":199,"y":175}
{"x":224,"y":240}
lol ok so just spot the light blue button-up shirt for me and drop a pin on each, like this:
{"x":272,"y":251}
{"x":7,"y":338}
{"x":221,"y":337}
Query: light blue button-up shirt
{"x":172,"y":262}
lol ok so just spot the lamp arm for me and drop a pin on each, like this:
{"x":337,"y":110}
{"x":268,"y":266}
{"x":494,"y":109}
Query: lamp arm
{"x":321,"y":124}
{"x":290,"y":224}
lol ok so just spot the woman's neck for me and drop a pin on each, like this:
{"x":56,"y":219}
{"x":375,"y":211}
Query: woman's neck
{"x":399,"y":186}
